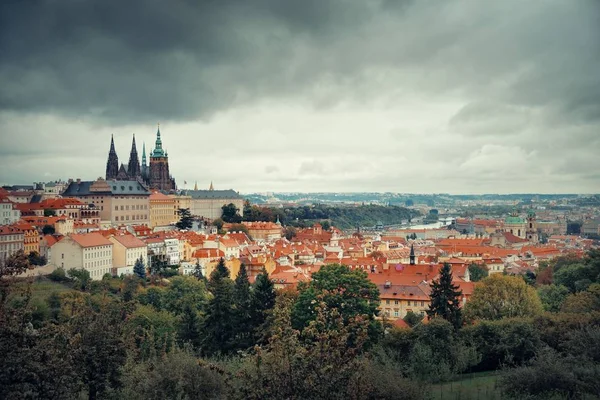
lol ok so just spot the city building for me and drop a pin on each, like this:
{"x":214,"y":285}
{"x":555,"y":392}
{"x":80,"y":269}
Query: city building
{"x":31,"y":238}
{"x":9,"y":213}
{"x":162,"y":210}
{"x":127,"y":249}
{"x":209,"y":203}
{"x":120,"y":202}
{"x":12,"y":239}
{"x":90,"y":251}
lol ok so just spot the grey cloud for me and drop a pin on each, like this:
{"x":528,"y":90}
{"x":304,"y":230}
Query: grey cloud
{"x":313,"y":167}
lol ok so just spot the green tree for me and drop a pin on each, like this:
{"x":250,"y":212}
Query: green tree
{"x":185,"y":219}
{"x":348,"y":291}
{"x":445,"y":298}
{"x":552,"y":296}
{"x":239,"y":228}
{"x":581,"y":302}
{"x":183,"y":290}
{"x":219,"y":321}
{"x":81,"y":278}
{"x":290,"y":232}
{"x":48,"y":212}
{"x":576,"y":277}
{"x":190,"y":326}
{"x":231,"y":214}
{"x":262,"y":301}
{"x":502,"y":296}
{"x":139,"y":269}
{"x":197,"y":273}
{"x":478,"y":272}
{"x":412,"y":318}
{"x":48,"y":230}
{"x":153,"y":331}
{"x":242,"y":309}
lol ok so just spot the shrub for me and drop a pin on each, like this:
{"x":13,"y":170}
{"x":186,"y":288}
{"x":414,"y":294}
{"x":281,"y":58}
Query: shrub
{"x":58,"y":275}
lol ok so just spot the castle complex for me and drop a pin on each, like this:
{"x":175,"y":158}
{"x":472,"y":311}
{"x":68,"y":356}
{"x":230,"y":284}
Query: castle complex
{"x":156,"y":175}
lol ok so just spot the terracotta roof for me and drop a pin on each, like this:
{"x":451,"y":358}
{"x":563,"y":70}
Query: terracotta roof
{"x":10,"y":230}
{"x":129,"y":241}
{"x":90,"y":239}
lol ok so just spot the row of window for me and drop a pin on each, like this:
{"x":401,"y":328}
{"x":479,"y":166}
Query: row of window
{"x":133,"y":217}
{"x":96,"y":254}
{"x":97,"y":263}
{"x":133,"y":207}
{"x":414,"y":302}
{"x":11,"y":238}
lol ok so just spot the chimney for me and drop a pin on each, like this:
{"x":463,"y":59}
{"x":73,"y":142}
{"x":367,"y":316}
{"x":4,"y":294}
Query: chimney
{"x":78,"y":180}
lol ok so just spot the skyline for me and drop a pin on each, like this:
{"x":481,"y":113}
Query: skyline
{"x":401,"y":97}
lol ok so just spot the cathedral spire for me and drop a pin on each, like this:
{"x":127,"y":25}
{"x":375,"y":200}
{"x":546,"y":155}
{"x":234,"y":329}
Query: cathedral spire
{"x":196,"y":186}
{"x":211,"y":186}
{"x":112,"y":164}
{"x":158,"y":150}
{"x":133,"y":168}
{"x":412,"y":254}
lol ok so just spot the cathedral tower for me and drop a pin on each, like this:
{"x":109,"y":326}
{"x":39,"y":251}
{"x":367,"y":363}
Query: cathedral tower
{"x":112,"y":165}
{"x":159,"y":176}
{"x":144,"y":165}
{"x":133,"y":168}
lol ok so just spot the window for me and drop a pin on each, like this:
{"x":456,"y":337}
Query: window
{"x":409,"y":303}
{"x":62,"y":256}
{"x":387,"y":302}
{"x":116,"y":208}
{"x":395,"y":301}
{"x":422,"y":304}
{"x":396,"y":313}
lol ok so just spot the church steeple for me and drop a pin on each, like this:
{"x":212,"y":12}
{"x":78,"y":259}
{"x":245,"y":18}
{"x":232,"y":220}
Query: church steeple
{"x":144,"y":164}
{"x":196,"y":185}
{"x":412,"y":254}
{"x":158,"y":150}
{"x":133,"y":168}
{"x":112,"y":164}
{"x":211,"y":186}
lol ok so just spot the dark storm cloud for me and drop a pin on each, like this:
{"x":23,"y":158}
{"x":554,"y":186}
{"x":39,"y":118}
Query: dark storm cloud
{"x":467,"y":92}
{"x":134,"y":60}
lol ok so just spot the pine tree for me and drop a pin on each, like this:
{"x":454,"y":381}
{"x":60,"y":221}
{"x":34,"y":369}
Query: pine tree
{"x":242,"y":304}
{"x":198,"y":272}
{"x":445,"y":298}
{"x":218,"y":324}
{"x":262,"y":302}
{"x":186,"y":220}
{"x":190,"y":326}
{"x":139,"y":268}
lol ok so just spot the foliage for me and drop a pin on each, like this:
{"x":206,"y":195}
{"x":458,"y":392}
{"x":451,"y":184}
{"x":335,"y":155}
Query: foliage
{"x":239,"y":228}
{"x":81,"y":278}
{"x":186,"y":221}
{"x":348,"y":291}
{"x":231,"y":214}
{"x":48,"y":212}
{"x":262,"y":301}
{"x":552,"y":296}
{"x":152,"y":331}
{"x":197,"y":273}
{"x":576,"y":277}
{"x":48,"y":230}
{"x":290,"y":232}
{"x":58,"y":275}
{"x":500,"y":296}
{"x":412,"y":318}
{"x":445,"y":298}
{"x":582,"y":302}
{"x":218,"y":324}
{"x":35,"y":258}
{"x":478,"y":272}
{"x":177,"y":375}
{"x":506,"y":342}
{"x":242,"y":303}
{"x":218,"y":223}
{"x":139,"y":269}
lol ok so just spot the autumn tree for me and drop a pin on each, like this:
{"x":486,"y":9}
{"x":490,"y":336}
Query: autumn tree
{"x":445,"y":298}
{"x":478,"y":272}
{"x":502,"y":296}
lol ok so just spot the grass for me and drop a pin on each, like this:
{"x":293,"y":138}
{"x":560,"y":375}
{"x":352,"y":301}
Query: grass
{"x":42,"y":288}
{"x":481,"y":385}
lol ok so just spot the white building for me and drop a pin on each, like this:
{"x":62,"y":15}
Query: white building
{"x":8,"y":212}
{"x":12,"y":239}
{"x":90,"y":251}
{"x":127,"y":250}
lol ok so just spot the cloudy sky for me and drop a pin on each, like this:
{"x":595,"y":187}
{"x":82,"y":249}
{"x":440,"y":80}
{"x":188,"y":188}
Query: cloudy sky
{"x":313,"y":95}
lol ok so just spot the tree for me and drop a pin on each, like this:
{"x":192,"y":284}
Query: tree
{"x":576,"y":277}
{"x":218,"y":223}
{"x":48,"y":230}
{"x":338,"y":287}
{"x":48,"y":212}
{"x":197,"y":273}
{"x":502,"y":296}
{"x":262,"y":301}
{"x":290,"y":232}
{"x":242,"y":309}
{"x":581,"y":302}
{"x":552,"y":296}
{"x":81,"y":277}
{"x":218,"y":324}
{"x":326,"y":225}
{"x":445,"y":298}
{"x":185,"y":219}
{"x":190,"y":326}
{"x":231,"y":214}
{"x":139,"y":269}
{"x":478,"y":272}
{"x":412,"y":318}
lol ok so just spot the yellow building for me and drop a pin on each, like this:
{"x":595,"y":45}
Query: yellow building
{"x":161,"y":210}
{"x":31,"y":238}
{"x":181,"y":201}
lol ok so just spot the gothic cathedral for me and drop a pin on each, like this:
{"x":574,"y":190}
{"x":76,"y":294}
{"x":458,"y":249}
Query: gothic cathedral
{"x":155,"y":176}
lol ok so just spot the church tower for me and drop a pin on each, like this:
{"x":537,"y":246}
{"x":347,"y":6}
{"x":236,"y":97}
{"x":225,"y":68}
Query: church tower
{"x":531,"y":230}
{"x":133,"y":168}
{"x":112,"y":165}
{"x":159,"y":167}
{"x":144,"y":165}
{"x":412,"y":254}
